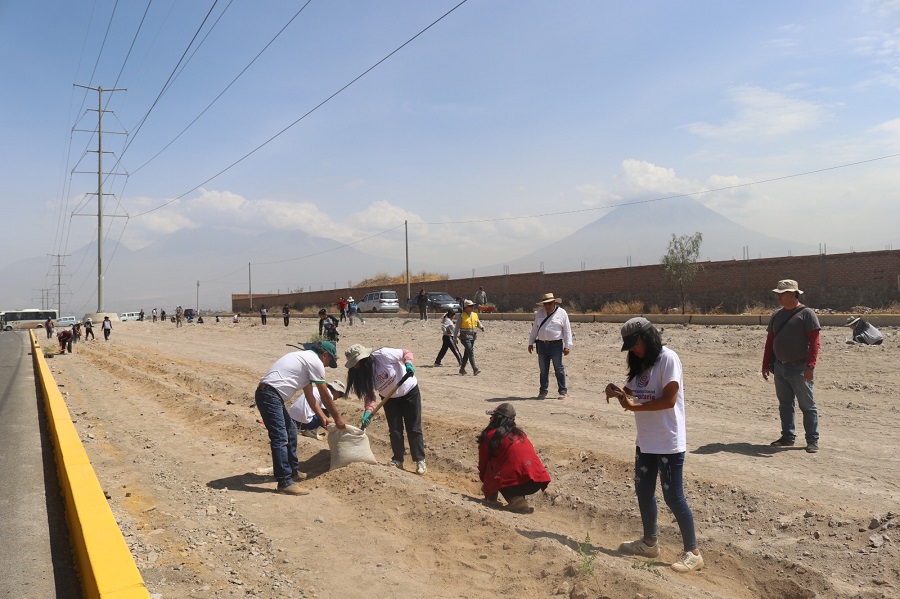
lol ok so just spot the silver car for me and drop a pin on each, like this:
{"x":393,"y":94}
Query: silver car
{"x":379,"y":301}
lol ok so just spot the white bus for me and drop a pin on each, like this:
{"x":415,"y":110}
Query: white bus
{"x":11,"y":320}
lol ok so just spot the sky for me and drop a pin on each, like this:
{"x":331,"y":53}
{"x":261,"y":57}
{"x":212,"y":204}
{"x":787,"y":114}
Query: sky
{"x":492,"y":127}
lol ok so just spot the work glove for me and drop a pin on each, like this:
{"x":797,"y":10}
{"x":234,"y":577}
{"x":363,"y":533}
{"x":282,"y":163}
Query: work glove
{"x":366,"y":420}
{"x":409,"y":368}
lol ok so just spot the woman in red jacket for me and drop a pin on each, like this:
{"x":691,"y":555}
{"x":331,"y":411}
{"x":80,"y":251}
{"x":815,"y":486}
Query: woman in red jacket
{"x":507,"y":461}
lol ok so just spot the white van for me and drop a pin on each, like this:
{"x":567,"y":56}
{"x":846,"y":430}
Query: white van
{"x":65,"y":321}
{"x":126,"y":316}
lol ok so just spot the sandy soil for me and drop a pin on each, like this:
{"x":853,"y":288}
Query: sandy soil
{"x":168,"y":420}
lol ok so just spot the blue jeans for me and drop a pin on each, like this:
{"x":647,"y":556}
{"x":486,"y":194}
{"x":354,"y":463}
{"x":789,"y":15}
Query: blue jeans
{"x":282,"y":435}
{"x":669,"y":468}
{"x":468,"y":341}
{"x":551,"y":351}
{"x":789,"y":383}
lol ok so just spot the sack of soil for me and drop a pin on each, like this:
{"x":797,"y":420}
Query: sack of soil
{"x":349,"y":445}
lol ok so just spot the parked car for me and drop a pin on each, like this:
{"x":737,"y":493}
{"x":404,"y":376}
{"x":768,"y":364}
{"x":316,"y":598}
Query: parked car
{"x":438,"y":301}
{"x":65,"y":321}
{"x":379,"y":301}
{"x":190,"y":314}
{"x":127,"y":316}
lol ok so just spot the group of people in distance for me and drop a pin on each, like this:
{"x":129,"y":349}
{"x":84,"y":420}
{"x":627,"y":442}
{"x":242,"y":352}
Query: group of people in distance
{"x":508,"y":464}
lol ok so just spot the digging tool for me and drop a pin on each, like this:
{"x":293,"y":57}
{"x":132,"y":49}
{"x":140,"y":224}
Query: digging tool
{"x":389,"y":395}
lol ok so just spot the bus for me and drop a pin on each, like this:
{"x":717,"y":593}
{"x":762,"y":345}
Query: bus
{"x":11,"y":320}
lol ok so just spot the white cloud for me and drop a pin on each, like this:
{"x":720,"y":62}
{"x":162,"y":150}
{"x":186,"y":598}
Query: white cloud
{"x":639,"y":176}
{"x":762,"y":115}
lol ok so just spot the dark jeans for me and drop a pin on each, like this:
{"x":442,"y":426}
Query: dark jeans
{"x":106,"y":333}
{"x":423,"y":312}
{"x":669,"y":468}
{"x":468,"y":341}
{"x":287,"y":320}
{"x":551,"y":351}
{"x":263,"y":317}
{"x":89,"y":332}
{"x":448,"y":344}
{"x":282,"y":434}
{"x":790,"y":384}
{"x":406,"y":411}
{"x":313,"y":424}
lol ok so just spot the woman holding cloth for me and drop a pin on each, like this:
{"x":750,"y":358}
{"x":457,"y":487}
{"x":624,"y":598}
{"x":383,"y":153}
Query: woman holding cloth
{"x":654,"y":391}
{"x":378,"y":371}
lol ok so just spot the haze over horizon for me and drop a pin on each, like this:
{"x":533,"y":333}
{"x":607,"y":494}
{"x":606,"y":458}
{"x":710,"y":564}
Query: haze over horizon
{"x":504,"y":128}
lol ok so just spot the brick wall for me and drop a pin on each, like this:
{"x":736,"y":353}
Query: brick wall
{"x":837,"y":281}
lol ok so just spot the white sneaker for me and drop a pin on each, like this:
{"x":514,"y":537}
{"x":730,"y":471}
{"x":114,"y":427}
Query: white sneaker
{"x":311,"y":433}
{"x":420,"y":467}
{"x":639,"y":547}
{"x":688,"y":562}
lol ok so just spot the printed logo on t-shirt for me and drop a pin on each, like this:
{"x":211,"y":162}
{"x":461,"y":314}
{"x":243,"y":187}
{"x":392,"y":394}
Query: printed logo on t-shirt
{"x":644,"y":379}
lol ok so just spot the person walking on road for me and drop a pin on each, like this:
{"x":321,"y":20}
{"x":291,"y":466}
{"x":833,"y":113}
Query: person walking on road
{"x":153,"y":314}
{"x":654,"y":391}
{"x":480,"y":298}
{"x":48,"y":326}
{"x":353,"y":311}
{"x":107,"y":328}
{"x":263,"y":314}
{"x":792,"y":348}
{"x":551,"y":332}
{"x":89,"y":329}
{"x":508,"y":463}
{"x":447,"y":328}
{"x":422,"y":303}
{"x":286,"y":312}
{"x":293,"y":372}
{"x":466,"y":330}
{"x":380,"y":371}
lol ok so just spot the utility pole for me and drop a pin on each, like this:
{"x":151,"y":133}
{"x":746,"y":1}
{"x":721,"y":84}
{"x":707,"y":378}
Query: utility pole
{"x":406,"y":236}
{"x":250,"y":285}
{"x":100,"y":173}
{"x":198,"y":298}
{"x":59,"y":281}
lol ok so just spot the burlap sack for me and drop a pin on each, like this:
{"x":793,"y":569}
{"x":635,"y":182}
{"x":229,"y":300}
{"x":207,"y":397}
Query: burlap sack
{"x":349,"y":445}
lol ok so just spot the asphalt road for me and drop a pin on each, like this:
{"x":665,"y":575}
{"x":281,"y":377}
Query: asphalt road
{"x":35,"y":560}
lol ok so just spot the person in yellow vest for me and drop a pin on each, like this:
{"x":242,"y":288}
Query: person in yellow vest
{"x":466,"y":331}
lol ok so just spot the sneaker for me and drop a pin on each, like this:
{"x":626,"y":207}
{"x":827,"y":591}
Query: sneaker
{"x":639,"y":547}
{"x":298,"y":477}
{"x":437,"y":365}
{"x":293,"y":490}
{"x":396,"y":464}
{"x":563,"y":396}
{"x":477,"y":372}
{"x":420,"y":467}
{"x":462,"y":370}
{"x":311,"y":433}
{"x":812,"y":447}
{"x":519,"y":505}
{"x":542,"y":395}
{"x":782,"y":442}
{"x":688,"y":562}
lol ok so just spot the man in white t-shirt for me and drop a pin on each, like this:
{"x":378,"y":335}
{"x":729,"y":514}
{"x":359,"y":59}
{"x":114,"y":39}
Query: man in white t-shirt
{"x":293,"y":372}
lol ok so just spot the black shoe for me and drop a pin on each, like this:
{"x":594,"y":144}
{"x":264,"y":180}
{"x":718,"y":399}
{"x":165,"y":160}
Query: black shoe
{"x":782,"y":442}
{"x":812,"y":447}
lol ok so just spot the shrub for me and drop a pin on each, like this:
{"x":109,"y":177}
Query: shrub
{"x":632,"y":307}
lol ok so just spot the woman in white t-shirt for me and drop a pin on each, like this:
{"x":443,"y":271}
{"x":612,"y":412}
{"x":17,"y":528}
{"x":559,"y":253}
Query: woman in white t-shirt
{"x":654,"y":391}
{"x":375,"y":372}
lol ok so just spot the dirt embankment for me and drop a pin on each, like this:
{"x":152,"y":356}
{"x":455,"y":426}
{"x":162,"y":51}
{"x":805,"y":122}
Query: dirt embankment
{"x":167,"y":417}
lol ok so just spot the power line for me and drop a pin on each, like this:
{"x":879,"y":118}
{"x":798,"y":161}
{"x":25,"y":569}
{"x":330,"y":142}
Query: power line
{"x":309,"y":112}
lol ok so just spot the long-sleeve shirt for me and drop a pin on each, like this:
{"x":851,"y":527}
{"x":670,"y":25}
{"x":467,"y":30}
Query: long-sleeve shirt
{"x":557,"y":327}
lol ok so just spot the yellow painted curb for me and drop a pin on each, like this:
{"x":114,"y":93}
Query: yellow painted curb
{"x":105,"y":565}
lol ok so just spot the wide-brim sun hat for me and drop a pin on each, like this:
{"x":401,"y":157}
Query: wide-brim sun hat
{"x":350,"y":299}
{"x":355,"y":353}
{"x":632,"y":329}
{"x":468,"y":304}
{"x":547,"y":298}
{"x":851,"y":321}
{"x":337,"y":385}
{"x":787,"y":286}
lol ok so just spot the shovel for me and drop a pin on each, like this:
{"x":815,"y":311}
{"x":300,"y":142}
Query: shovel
{"x":386,"y":398}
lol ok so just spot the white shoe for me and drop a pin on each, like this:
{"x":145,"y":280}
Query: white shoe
{"x":311,"y":433}
{"x":420,"y":467}
{"x":688,"y":562}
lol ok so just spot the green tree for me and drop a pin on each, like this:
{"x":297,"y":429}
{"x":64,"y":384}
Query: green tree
{"x":680,"y":262}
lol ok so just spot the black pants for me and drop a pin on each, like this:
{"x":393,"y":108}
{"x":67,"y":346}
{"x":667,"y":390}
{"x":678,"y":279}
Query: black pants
{"x":88,"y":332}
{"x":448,"y":344}
{"x":287,"y":320}
{"x":106,"y":333}
{"x":262,"y":317}
{"x":406,"y":412}
{"x":528,"y":488}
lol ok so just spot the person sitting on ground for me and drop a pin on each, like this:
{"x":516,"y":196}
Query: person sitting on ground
{"x":235,"y":319}
{"x":507,"y":461}
{"x":310,"y":413}
{"x":864,"y":332}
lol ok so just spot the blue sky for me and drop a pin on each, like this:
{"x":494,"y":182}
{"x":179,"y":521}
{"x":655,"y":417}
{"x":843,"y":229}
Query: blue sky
{"x":501,"y":109}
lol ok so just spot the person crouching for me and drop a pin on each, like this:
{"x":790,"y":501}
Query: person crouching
{"x":507,"y":461}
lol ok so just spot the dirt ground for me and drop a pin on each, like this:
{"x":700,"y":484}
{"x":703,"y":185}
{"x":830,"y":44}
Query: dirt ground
{"x":168,"y":419}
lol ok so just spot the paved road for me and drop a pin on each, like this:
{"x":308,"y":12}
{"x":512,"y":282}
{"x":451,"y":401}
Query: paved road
{"x":35,"y":560}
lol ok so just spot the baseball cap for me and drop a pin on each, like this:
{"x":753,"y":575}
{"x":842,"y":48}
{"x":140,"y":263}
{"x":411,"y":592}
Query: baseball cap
{"x":631,"y":331}
{"x":324,"y":346}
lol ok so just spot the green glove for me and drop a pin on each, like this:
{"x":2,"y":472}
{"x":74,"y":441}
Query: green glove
{"x":409,"y":368}
{"x":366,"y":420}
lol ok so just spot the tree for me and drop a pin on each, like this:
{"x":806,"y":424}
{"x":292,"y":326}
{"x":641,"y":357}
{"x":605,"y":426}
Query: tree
{"x":680,"y":262}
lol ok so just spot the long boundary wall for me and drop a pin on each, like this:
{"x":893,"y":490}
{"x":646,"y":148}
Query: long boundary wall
{"x":835,"y":281}
{"x":105,"y":565}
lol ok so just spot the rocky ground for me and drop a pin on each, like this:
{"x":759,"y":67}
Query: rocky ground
{"x":167,"y":417}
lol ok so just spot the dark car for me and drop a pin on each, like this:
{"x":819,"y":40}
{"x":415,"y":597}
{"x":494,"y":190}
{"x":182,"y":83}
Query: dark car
{"x":438,"y":301}
{"x":190,"y":314}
